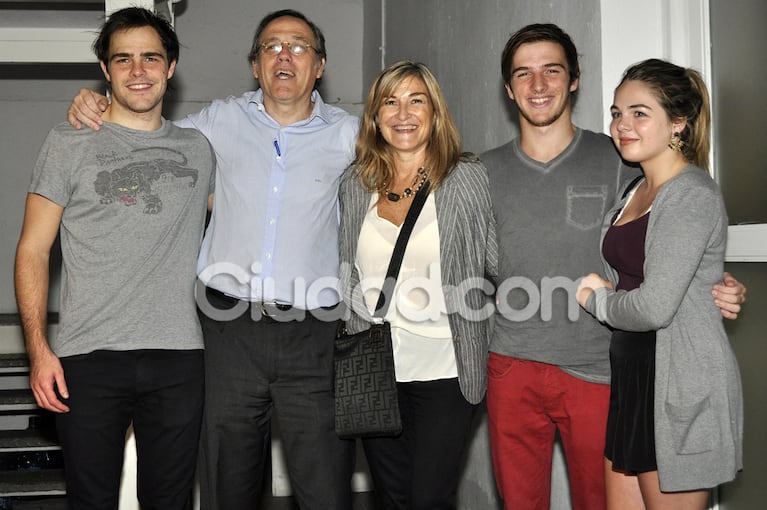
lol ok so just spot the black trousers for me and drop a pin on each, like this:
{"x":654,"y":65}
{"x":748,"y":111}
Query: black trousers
{"x":161,"y":392}
{"x":420,"y":469}
{"x":257,"y":369}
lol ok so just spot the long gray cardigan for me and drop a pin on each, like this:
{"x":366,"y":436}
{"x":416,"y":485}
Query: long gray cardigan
{"x":468,"y":251}
{"x":698,"y":396}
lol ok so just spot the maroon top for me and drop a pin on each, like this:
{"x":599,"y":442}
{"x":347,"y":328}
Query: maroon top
{"x":623,"y":248}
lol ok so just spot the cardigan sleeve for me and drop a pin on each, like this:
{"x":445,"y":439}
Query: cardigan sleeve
{"x":686,"y":218}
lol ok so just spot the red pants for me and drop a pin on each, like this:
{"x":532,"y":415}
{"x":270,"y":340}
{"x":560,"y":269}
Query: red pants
{"x":527,"y":402}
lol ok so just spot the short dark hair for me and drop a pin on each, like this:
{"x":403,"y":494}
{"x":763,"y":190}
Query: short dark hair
{"x":540,"y":32}
{"x":135,"y":17}
{"x":319,"y":38}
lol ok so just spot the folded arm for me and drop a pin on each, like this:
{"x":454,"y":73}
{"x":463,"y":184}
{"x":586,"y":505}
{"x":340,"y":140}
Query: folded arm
{"x":682,"y":227}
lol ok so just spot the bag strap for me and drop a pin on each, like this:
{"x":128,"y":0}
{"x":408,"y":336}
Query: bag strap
{"x":387,"y":289}
{"x":631,"y":186}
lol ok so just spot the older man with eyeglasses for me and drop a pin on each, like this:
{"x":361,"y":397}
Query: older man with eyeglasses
{"x":269,"y":265}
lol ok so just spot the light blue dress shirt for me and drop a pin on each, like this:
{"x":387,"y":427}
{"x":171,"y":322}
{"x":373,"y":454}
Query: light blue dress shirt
{"x":273,"y":232}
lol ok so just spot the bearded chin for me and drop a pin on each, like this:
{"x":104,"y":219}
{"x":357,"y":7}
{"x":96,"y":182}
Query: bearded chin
{"x":548,"y":121}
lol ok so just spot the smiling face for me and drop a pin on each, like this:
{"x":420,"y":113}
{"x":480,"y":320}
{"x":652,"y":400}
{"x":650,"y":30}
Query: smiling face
{"x":406,"y":118}
{"x":286,"y":79}
{"x":138,"y":71}
{"x":540,"y":83}
{"x":640,"y":127}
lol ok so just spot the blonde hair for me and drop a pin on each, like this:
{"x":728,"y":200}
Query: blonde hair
{"x":374,"y":161}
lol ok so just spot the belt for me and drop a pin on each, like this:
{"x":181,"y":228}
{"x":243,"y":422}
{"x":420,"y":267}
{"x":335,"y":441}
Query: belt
{"x":270,"y":311}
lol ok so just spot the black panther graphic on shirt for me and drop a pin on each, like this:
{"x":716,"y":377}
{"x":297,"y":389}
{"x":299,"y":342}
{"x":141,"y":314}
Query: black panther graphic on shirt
{"x":136,"y":180}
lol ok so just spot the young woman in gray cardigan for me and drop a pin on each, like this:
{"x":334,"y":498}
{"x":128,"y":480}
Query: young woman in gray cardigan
{"x":676,"y":410}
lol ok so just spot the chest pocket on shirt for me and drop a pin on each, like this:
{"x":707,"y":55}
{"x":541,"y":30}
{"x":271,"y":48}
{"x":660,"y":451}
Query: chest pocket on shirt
{"x":586,"y":206}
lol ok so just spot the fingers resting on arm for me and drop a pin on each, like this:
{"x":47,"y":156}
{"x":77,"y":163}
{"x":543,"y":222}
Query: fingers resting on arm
{"x":729,"y":296}
{"x":86,"y":109}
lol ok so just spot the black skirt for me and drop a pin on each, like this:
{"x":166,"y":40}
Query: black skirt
{"x":630,"y":441}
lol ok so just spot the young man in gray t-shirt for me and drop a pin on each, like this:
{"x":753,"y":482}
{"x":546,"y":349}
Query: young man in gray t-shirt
{"x":129,"y":202}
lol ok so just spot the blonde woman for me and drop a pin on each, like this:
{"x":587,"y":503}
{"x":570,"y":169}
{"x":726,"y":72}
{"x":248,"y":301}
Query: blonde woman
{"x":438,"y":311}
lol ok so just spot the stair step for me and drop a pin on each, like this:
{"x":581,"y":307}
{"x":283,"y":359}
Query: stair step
{"x":39,"y":503}
{"x":39,"y":482}
{"x":14,"y":363}
{"x":17,"y":400}
{"x":28,"y":440}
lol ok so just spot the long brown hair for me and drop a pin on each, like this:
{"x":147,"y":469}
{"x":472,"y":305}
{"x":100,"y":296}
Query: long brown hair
{"x":374,"y":160}
{"x":683,"y":95}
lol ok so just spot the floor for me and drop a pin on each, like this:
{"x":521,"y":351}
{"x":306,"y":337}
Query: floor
{"x":361,"y":501}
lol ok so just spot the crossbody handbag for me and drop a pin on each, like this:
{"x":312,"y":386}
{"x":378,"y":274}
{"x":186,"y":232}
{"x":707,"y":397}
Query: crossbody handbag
{"x":365,"y":384}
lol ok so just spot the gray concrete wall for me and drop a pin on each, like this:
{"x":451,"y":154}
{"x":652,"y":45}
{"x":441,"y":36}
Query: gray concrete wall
{"x":747,"y":337}
{"x":737,"y":30}
{"x":217,"y":37}
{"x":461,"y":41}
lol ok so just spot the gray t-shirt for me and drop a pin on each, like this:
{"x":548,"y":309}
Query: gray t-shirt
{"x":549,"y":220}
{"x":134,"y":212}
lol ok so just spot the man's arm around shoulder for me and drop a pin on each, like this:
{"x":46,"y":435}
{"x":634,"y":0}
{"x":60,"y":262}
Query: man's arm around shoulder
{"x":41,"y":223}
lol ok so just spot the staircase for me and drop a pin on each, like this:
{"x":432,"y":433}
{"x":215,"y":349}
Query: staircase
{"x":31,"y":474}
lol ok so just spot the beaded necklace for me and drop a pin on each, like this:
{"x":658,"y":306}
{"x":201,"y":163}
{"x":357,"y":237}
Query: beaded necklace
{"x":409,"y":191}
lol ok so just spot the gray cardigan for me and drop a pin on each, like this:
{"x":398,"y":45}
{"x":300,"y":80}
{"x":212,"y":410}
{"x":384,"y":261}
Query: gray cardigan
{"x":698,"y":395}
{"x":468,"y":250}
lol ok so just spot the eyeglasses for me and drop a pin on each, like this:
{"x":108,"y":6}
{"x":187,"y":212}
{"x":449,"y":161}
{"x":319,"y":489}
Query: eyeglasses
{"x":296,"y":48}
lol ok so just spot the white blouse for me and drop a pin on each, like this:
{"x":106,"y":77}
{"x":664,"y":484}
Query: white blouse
{"x":421,"y":337}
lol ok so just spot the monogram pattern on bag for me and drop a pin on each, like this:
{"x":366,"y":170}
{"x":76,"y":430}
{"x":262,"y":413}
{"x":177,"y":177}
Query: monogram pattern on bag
{"x":366,"y":392}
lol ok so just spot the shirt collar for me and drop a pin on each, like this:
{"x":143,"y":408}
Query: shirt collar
{"x":320,"y":110}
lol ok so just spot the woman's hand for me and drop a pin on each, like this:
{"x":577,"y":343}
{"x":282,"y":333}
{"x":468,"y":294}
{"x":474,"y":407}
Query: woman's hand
{"x":588,"y":285}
